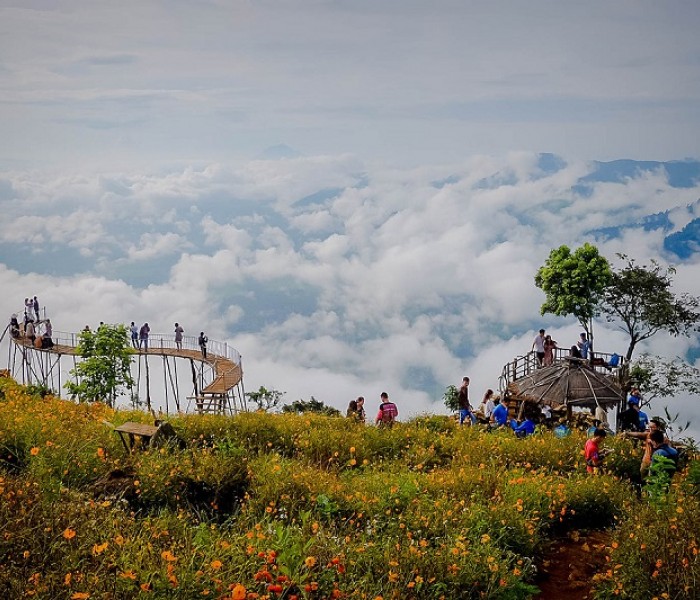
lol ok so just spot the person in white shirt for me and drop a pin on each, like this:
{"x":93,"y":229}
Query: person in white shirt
{"x":487,"y":404}
{"x":538,"y":346}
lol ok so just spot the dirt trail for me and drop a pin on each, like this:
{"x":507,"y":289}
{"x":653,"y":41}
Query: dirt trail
{"x":570,"y":566}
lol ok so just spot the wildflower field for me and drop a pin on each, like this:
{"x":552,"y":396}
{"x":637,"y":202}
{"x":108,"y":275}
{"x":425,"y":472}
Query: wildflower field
{"x":308,"y":507}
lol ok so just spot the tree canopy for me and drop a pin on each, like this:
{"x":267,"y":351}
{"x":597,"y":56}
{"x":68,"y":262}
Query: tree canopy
{"x":574,"y":283}
{"x":264,"y":398}
{"x":313,"y":405}
{"x":104,"y":370}
{"x":640,"y":300}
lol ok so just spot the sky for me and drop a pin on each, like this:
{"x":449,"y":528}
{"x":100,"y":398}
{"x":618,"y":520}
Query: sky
{"x":355,"y":195}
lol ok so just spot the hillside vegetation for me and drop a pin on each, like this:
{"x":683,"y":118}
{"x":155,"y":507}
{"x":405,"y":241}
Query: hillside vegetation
{"x":298,"y":506}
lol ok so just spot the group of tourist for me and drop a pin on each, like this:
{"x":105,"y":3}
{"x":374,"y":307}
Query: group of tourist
{"x":386,"y":415}
{"x":635,"y":424}
{"x":140,"y":336}
{"x":543,"y":345}
{"x":493,"y":412}
{"x":39,"y":332}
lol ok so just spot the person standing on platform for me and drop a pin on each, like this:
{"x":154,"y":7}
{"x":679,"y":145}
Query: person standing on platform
{"x":549,"y":347}
{"x":143,"y":336}
{"x":178,"y":336}
{"x":134,"y":335}
{"x":203,"y":339}
{"x":538,"y":347}
{"x":29,"y":331}
{"x":35,"y":306}
{"x":583,"y":346}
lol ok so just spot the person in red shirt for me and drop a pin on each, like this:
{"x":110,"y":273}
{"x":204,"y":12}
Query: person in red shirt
{"x":593,"y":454}
{"x":387,"y":412}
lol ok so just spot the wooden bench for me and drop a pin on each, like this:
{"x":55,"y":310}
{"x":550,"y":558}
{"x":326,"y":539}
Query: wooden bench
{"x":132,"y":430}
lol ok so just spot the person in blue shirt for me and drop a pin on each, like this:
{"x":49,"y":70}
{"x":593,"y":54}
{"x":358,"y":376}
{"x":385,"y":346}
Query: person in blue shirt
{"x":629,"y":420}
{"x":658,"y":446}
{"x":583,"y":346}
{"x":643,"y":420}
{"x":499,"y":416}
{"x":527,"y":427}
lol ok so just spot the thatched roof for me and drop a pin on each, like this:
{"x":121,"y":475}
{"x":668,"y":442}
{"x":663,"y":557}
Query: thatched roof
{"x":568,"y":382}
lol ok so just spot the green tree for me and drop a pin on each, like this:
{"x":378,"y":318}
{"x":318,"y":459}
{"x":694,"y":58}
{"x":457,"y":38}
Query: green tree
{"x":313,"y":405}
{"x":640,"y":300}
{"x":574,"y":283}
{"x":657,"y":377}
{"x":451,"y":397}
{"x":104,"y":370}
{"x":265,"y":399}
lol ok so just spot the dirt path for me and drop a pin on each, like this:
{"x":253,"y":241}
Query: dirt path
{"x":570,"y":566}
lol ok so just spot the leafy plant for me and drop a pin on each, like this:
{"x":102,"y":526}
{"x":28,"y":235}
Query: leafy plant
{"x":104,"y":370}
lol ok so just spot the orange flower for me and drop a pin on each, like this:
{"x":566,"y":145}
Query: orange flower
{"x":169,"y":556}
{"x":238,"y":592}
{"x":216,"y":564}
{"x":99,"y":548}
{"x":69,"y":533}
{"x":80,"y":596}
{"x":34,"y":451}
{"x":310,"y":562}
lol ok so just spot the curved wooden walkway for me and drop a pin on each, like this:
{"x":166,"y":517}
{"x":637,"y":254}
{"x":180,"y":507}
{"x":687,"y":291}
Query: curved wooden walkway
{"x":227,"y":373}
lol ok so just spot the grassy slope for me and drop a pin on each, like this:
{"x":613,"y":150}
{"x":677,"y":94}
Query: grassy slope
{"x":285,"y":506}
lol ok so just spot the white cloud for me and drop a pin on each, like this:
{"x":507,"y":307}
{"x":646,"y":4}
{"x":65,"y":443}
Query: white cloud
{"x":399,"y":284}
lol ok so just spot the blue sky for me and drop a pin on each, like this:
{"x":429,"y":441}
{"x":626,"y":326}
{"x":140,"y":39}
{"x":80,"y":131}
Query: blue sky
{"x":353,"y":194}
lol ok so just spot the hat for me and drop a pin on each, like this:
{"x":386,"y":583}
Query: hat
{"x":633,"y":400}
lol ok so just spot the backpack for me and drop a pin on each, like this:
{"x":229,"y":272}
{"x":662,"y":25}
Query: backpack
{"x":389,"y":412}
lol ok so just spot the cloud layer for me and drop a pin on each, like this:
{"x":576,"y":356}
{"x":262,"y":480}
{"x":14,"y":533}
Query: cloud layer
{"x":335,"y":277}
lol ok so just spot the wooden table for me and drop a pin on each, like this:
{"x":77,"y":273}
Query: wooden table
{"x":133,"y":430}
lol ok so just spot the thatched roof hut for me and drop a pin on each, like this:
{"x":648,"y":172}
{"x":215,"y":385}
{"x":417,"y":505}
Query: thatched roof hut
{"x":567,"y":383}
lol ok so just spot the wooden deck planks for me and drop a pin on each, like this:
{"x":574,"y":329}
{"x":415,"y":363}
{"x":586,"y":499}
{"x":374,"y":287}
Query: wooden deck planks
{"x":227,"y":374}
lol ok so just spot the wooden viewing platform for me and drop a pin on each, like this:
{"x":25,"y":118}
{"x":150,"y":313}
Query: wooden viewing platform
{"x":212,"y":393}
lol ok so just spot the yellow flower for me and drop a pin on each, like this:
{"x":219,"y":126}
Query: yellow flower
{"x":310,"y":562}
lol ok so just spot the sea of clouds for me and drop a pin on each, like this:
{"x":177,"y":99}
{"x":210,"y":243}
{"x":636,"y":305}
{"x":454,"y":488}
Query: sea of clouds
{"x":332,"y":276}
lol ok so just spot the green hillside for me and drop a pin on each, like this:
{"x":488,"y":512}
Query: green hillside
{"x":308,"y":507}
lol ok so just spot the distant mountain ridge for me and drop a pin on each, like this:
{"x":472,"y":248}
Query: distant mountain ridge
{"x":683,"y":174}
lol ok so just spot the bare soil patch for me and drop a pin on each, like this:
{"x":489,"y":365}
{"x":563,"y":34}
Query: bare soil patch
{"x":570,"y":566}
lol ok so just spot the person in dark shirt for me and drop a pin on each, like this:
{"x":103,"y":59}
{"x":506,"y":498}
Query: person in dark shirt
{"x":628,"y":420}
{"x":465,"y":408}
